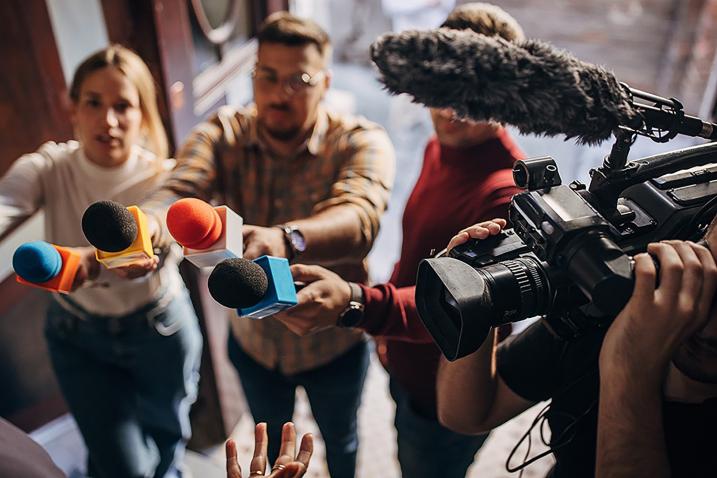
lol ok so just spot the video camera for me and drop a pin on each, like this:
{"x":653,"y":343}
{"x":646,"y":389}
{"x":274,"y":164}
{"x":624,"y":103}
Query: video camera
{"x":569,"y":254}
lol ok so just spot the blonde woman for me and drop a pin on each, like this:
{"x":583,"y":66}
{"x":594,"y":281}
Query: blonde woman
{"x":127,"y":354}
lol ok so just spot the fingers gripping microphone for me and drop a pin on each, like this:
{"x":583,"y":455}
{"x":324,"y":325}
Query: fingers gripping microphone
{"x":208,"y":234}
{"x":120,"y":234}
{"x":257,"y":289}
{"x":44,"y":265}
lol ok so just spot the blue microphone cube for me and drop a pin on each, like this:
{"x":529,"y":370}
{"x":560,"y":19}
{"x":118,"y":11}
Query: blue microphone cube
{"x":281,"y":293}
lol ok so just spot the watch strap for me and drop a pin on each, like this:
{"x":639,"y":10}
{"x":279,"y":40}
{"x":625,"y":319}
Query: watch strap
{"x":291,"y":251}
{"x":353,"y":313}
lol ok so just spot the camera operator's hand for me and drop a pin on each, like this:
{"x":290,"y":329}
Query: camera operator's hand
{"x":477,"y":231}
{"x":320,"y":303}
{"x":636,"y":353}
{"x":289,"y":464}
{"x":658,"y":318}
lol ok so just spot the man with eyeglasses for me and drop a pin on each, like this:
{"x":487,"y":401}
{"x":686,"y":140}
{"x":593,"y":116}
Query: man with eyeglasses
{"x":466,"y":177}
{"x":312,"y":186}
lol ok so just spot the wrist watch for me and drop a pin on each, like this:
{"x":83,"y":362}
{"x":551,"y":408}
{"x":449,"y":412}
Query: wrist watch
{"x":353,"y":313}
{"x":295,"y":242}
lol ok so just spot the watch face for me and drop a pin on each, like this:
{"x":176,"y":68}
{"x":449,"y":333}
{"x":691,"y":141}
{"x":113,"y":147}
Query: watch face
{"x":351,"y":316}
{"x":298,"y":241}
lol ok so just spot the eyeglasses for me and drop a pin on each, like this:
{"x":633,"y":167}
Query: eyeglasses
{"x":294,"y":84}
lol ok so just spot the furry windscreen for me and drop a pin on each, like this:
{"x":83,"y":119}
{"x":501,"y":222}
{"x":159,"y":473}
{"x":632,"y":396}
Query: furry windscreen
{"x":531,"y":85}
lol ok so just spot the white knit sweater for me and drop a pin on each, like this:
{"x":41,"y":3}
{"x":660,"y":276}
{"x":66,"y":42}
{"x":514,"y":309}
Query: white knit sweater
{"x":61,"y":180}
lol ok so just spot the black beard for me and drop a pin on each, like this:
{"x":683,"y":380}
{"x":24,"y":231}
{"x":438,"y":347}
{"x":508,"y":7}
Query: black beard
{"x":280,"y":134}
{"x":283,"y":135}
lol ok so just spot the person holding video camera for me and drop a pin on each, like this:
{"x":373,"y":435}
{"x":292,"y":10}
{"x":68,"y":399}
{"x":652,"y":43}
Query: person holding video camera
{"x":640,"y":396}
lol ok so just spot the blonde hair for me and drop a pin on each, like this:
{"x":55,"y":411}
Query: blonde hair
{"x":486,"y":19}
{"x":132,"y":66}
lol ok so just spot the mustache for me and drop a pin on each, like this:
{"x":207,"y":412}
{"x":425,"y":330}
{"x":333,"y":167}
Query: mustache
{"x":280,"y":106}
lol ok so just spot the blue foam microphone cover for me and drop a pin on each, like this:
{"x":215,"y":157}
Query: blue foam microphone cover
{"x":257,"y":289}
{"x":281,"y":293}
{"x":37,"y":261}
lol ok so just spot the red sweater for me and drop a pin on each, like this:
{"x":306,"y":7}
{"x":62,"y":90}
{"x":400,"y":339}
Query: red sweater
{"x":456,"y":188}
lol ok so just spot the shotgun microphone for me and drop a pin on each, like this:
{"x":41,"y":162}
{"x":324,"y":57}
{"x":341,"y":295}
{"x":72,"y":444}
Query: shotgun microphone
{"x":531,"y":85}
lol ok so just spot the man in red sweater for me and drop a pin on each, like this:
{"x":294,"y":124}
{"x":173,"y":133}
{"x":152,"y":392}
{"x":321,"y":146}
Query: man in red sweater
{"x":466,"y":178}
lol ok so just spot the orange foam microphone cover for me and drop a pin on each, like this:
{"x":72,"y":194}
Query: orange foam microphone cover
{"x":194,"y":223}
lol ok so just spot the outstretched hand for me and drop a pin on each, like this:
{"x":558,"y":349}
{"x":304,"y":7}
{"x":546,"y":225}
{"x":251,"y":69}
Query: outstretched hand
{"x":319,"y":303}
{"x":263,"y":241}
{"x":88,"y":269}
{"x":138,"y":269}
{"x":289,"y":464}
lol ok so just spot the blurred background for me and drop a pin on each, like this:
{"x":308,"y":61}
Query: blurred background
{"x":201,"y":53}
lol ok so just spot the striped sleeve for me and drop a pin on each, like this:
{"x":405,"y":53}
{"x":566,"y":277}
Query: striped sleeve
{"x":192,"y":176}
{"x":364,"y":181}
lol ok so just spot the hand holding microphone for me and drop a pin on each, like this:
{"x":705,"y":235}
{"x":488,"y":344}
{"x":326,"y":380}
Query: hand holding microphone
{"x":320,"y":304}
{"x":121,"y":237}
{"x":208,"y":234}
{"x":54,"y":268}
{"x":257,"y":289}
{"x":265,"y":241}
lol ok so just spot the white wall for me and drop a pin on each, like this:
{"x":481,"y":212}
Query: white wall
{"x":79,"y":28}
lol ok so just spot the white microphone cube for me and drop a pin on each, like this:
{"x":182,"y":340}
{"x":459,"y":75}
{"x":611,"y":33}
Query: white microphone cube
{"x":229,"y":245}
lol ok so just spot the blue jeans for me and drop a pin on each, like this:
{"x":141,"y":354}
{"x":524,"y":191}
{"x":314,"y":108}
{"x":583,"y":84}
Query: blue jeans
{"x":334,"y":392}
{"x":427,"y":449}
{"x":129,"y":384}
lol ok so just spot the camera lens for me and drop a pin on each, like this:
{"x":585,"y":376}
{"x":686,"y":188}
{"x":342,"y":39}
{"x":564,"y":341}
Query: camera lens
{"x":459,"y":304}
{"x":518,"y":288}
{"x":451,"y":307}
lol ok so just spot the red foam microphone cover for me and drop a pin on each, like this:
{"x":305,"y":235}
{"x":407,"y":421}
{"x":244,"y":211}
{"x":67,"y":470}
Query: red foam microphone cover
{"x":194,"y":223}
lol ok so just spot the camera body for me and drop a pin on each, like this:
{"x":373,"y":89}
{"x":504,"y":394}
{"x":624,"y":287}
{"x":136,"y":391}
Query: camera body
{"x":569,"y":254}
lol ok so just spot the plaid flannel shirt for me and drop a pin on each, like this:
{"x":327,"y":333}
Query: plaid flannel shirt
{"x":345,"y":161}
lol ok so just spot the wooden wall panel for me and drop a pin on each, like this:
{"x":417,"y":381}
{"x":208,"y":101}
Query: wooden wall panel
{"x":33,"y":109}
{"x":33,"y":94}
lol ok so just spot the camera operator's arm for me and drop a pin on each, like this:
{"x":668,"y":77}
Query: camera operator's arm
{"x":637,"y":350}
{"x":472,"y":397}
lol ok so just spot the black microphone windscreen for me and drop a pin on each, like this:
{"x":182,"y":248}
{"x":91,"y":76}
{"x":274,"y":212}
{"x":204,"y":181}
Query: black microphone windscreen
{"x":532,"y":85}
{"x":109,"y":226}
{"x":238,"y":283}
